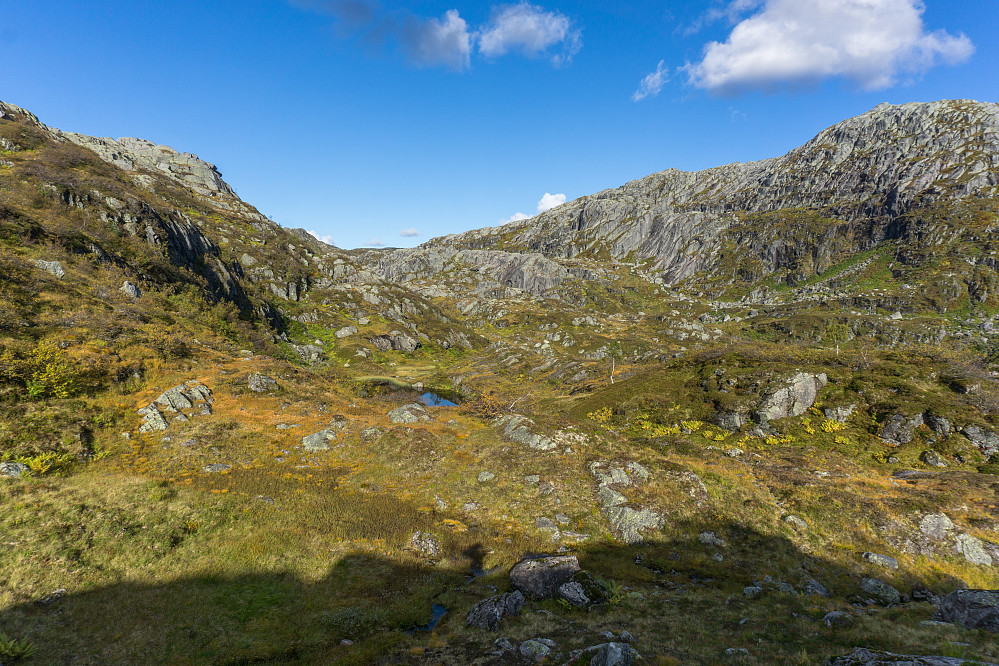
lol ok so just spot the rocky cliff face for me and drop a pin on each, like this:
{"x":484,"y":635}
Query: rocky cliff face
{"x":865,"y":174}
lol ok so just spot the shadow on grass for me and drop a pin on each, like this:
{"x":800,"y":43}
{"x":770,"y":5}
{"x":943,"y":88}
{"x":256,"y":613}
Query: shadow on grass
{"x":688,"y":605}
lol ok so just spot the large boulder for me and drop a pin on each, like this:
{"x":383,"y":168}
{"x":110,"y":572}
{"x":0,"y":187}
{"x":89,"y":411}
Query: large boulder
{"x":311,"y":354}
{"x":899,"y":429}
{"x":582,"y":591}
{"x":985,"y":440}
{"x":261,"y":383}
{"x":540,"y":578}
{"x":411,"y":413}
{"x":319,"y":441}
{"x":53,"y":267}
{"x":972,"y":609}
{"x":13,"y":469}
{"x":396,"y":341}
{"x":613,"y":654}
{"x":793,"y":399}
{"x":346,"y":332}
{"x":487,"y":614}
{"x":936,"y":526}
{"x":973,"y":550}
{"x":883,"y":593}
{"x":865,"y":657}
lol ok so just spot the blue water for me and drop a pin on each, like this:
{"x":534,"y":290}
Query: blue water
{"x":436,"y":613}
{"x":433,"y":400}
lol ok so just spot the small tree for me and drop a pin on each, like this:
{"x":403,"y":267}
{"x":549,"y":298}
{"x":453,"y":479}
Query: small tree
{"x":614,"y":352}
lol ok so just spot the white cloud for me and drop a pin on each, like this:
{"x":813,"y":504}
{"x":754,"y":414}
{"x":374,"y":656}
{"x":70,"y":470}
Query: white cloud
{"x":445,"y":41}
{"x":409,"y":233}
{"x":652,"y":83}
{"x":549,"y":201}
{"x":530,"y":30}
{"x":516,"y":217}
{"x":374,"y":242}
{"x":794,"y":43}
{"x":449,"y":41}
{"x":324,"y":238}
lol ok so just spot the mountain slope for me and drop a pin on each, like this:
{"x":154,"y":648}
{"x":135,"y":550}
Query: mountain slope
{"x":863,"y":176}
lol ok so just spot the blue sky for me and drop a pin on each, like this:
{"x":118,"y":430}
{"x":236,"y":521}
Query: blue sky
{"x":371,"y":122}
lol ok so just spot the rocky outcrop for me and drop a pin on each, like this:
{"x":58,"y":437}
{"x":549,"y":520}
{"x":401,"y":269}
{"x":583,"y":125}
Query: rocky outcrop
{"x":261,"y":383}
{"x":397,"y":341}
{"x":972,"y":609}
{"x":532,"y":273}
{"x":899,"y":429}
{"x":985,"y":440}
{"x":489,"y":613}
{"x":865,"y":657}
{"x":540,"y":578}
{"x":411,"y":413}
{"x":519,"y":429}
{"x":882,"y":592}
{"x":180,"y":404}
{"x":13,"y":469}
{"x":627,"y":521}
{"x":792,"y":399}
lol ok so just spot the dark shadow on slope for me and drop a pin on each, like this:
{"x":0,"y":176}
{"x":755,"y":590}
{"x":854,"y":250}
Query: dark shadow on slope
{"x":689,"y":606}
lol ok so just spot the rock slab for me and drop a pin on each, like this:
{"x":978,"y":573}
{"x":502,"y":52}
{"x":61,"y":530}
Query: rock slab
{"x":972,"y":609}
{"x":541,"y":578}
{"x":865,"y":657}
{"x":487,"y":614}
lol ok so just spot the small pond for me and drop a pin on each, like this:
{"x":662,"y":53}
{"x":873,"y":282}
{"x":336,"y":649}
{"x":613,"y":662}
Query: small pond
{"x":436,"y":613}
{"x":431,"y":399}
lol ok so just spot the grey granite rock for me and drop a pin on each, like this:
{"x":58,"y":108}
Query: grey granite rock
{"x":936,"y":526}
{"x":488,"y":614}
{"x":613,"y":654}
{"x":973,"y":550}
{"x":865,"y":657}
{"x":837,"y":619}
{"x":13,"y":469}
{"x":971,"y":609}
{"x":881,"y":560}
{"x":261,"y":383}
{"x":899,"y":429}
{"x":52,"y":267}
{"x":535,"y":650}
{"x":540,"y":578}
{"x":319,"y":441}
{"x":883,"y":593}
{"x":131,"y":289}
{"x":426,"y":543}
{"x":986,"y":440}
{"x":933,"y":459}
{"x":411,"y":413}
{"x":519,"y":429}
{"x":792,"y":399}
{"x":396,"y":340}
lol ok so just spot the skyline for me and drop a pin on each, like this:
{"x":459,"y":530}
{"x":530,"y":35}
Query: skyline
{"x":373,"y":126}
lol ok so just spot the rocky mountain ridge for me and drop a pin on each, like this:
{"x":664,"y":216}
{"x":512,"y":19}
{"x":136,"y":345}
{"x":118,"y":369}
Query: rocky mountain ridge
{"x":866,"y":173}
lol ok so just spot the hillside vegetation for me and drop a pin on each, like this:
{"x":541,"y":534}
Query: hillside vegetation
{"x":758,"y":405}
